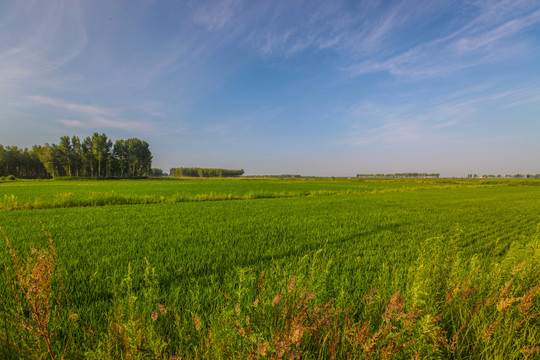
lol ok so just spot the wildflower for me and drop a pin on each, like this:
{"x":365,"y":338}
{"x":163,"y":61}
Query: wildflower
{"x":290,"y":286}
{"x":197,"y":321}
{"x":518,"y":267}
{"x":504,"y":303}
{"x":276,"y":300}
{"x":162,"y":309}
{"x":527,"y":300}
{"x":297,"y":334}
{"x":369,"y":298}
{"x":488,"y":332}
{"x":529,"y":350}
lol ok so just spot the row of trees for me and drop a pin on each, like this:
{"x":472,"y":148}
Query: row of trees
{"x":400,"y":175}
{"x":94,"y":156}
{"x":23,"y":163}
{"x":204,"y":172}
{"x":507,"y":176}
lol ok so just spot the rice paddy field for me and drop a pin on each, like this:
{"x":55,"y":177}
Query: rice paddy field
{"x":271,"y":268}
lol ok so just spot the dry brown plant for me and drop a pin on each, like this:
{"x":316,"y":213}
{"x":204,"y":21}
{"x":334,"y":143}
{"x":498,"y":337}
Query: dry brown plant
{"x":39,"y":302}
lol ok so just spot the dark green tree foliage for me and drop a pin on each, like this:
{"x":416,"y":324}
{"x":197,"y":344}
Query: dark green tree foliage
{"x":400,"y":175}
{"x":77,"y":159}
{"x":204,"y":172}
{"x":155,"y":172}
{"x":21,"y":163}
{"x":101,"y":148}
{"x":139,"y":157}
{"x":95,"y":156}
{"x":66,"y":153}
{"x":120,"y":153}
{"x":87,"y":157}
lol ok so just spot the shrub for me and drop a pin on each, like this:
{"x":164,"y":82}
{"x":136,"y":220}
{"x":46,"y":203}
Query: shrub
{"x":36,"y":316}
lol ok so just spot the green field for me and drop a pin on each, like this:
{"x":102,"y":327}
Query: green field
{"x":51,"y":194}
{"x":211,"y":241}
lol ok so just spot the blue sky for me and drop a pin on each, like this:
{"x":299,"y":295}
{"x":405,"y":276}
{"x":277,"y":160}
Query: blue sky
{"x":305,"y":87}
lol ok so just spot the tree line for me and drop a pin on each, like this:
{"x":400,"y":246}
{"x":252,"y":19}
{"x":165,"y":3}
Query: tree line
{"x":507,"y":176}
{"x":204,"y":172}
{"x":400,"y":175}
{"x":95,"y":156}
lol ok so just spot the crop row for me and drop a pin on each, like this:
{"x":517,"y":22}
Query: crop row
{"x":55,"y":194}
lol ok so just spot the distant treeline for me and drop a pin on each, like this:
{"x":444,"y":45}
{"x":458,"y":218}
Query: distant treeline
{"x":507,"y":176}
{"x":204,"y":172}
{"x":400,"y":175}
{"x":94,"y":156}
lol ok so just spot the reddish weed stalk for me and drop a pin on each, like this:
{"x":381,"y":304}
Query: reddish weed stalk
{"x":38,"y":303}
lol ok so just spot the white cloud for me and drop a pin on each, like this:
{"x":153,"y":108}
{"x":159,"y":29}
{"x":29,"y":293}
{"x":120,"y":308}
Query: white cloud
{"x":479,"y":41}
{"x":370,"y":34}
{"x":80,"y":108}
{"x":73,"y":123}
{"x":215,"y":15}
{"x":96,"y":117}
{"x":429,"y":122}
{"x":52,"y":36}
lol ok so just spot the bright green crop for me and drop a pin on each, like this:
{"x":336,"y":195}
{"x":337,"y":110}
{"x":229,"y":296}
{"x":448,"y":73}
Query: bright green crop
{"x":369,"y":233}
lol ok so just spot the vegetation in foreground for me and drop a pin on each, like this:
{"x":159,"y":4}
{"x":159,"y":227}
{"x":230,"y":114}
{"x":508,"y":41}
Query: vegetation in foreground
{"x":131,"y":281}
{"x":27,"y":195}
{"x":450,"y":308}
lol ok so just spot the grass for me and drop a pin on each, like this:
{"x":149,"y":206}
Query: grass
{"x":347,"y":275}
{"x":61,"y":194}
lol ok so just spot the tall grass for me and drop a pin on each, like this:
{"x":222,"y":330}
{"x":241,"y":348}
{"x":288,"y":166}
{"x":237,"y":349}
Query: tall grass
{"x":451,"y":307}
{"x":36,"y":314}
{"x":99,"y":198}
{"x":26,"y":194}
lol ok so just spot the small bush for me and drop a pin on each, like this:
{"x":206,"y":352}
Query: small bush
{"x":36,"y":316}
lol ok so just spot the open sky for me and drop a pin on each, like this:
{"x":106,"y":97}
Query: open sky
{"x":304,"y":87}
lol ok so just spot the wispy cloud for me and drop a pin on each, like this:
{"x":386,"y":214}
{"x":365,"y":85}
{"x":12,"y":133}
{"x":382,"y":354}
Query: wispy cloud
{"x":96,"y":117}
{"x":239,"y":127}
{"x":216,"y":14}
{"x":427,"y":123}
{"x":80,"y":108}
{"x":391,"y":132}
{"x":52,"y":36}
{"x":370,"y":34}
{"x":478,"y":41}
{"x":323,"y":25}
{"x":267,"y":75}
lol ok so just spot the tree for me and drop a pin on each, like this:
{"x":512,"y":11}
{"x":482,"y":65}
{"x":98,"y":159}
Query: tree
{"x":51,"y":157}
{"x":139,"y":156}
{"x":76,"y":148}
{"x":101,"y":148}
{"x":67,"y":152}
{"x":155,"y":172}
{"x":120,"y":153}
{"x":88,"y":157}
{"x":130,"y":157}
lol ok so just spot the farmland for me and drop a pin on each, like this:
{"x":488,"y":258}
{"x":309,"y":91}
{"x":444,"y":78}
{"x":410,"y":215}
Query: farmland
{"x":202,"y":248}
